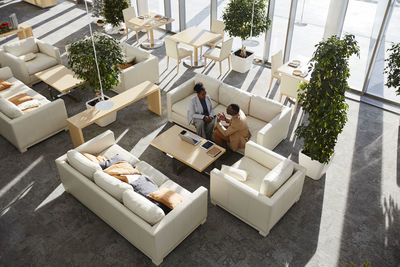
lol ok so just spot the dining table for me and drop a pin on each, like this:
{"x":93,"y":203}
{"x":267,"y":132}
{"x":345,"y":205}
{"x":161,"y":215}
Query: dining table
{"x":149,"y":22}
{"x":297,"y":67}
{"x":195,"y":37}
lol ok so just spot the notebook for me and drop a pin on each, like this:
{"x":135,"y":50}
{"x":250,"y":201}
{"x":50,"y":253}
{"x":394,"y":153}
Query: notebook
{"x":213,"y":152}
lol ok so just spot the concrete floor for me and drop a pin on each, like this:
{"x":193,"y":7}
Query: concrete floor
{"x":351,"y":214}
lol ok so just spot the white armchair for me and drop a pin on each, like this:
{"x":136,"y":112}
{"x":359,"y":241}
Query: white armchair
{"x":145,"y":68}
{"x":11,"y":54}
{"x":247,"y":200}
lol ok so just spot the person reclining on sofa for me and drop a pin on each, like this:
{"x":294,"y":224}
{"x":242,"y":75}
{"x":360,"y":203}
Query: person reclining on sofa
{"x":236,"y":133}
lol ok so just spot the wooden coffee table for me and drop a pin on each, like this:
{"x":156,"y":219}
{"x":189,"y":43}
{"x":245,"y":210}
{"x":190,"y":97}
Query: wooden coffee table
{"x":60,"y":78}
{"x":193,"y":156}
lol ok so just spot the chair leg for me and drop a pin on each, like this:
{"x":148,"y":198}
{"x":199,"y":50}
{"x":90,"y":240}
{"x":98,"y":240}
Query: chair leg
{"x":220,"y":70}
{"x":295,"y":106}
{"x":280,"y":97}
{"x":177,"y":67}
{"x":205,"y":63}
{"x":127,"y":37}
{"x":191,"y":60}
{"x":229,"y":62}
{"x":201,"y":50}
{"x":167,"y":61}
{"x":270,"y":83}
{"x":137,"y":37}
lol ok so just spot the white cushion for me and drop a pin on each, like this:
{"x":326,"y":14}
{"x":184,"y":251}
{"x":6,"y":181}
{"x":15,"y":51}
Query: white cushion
{"x":28,"y":56}
{"x":9,"y":109}
{"x":82,"y":164}
{"x":21,"y":47}
{"x":130,"y":58}
{"x":155,"y":175}
{"x":29,"y":104}
{"x":236,"y":173}
{"x":263,"y":108}
{"x":255,"y":125}
{"x":181,"y":107}
{"x":231,"y":95}
{"x":276,"y":177}
{"x":111,"y":185}
{"x":255,"y":172}
{"x":41,"y":62}
{"x":210,"y":84}
{"x":142,"y":207}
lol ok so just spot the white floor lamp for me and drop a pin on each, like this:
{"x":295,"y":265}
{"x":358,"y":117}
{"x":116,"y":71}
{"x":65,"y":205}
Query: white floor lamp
{"x":250,"y":41}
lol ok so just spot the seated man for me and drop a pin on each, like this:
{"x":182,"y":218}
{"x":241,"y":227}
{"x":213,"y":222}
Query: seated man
{"x":237,"y":132}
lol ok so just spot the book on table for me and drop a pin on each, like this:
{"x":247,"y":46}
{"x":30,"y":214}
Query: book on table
{"x":213,"y":152}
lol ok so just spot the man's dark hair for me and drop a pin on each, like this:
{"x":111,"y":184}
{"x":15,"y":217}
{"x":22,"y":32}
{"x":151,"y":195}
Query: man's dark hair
{"x":198,"y":87}
{"x":235,"y":108}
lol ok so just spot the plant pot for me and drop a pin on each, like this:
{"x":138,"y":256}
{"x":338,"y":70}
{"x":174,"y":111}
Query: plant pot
{"x":122,"y":31}
{"x":109,"y":29}
{"x":241,"y":64}
{"x":100,"y":22}
{"x":107,"y":119}
{"x":315,"y":169}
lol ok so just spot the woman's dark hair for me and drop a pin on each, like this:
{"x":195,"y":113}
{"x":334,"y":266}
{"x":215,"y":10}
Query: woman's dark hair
{"x":198,"y":87}
{"x":235,"y":108}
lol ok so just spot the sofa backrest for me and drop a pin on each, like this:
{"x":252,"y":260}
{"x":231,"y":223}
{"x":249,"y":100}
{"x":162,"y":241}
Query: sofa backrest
{"x":21,"y":47}
{"x":140,"y":55}
{"x":264,"y":109}
{"x":232,"y":95}
{"x":210,"y":84}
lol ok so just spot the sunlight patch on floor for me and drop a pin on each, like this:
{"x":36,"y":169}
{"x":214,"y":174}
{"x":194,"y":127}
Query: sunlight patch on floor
{"x":144,"y":142}
{"x":53,"y":195}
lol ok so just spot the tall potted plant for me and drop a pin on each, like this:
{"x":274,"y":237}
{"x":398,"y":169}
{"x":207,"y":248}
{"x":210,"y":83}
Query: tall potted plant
{"x":241,"y":21}
{"x":97,"y":11}
{"x":323,"y":100}
{"x":112,"y":11}
{"x":393,"y":67}
{"x":81,"y":60}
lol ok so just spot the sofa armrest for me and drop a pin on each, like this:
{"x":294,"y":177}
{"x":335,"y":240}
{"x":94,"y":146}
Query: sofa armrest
{"x":49,"y":50}
{"x":5,"y":73}
{"x":276,"y":130}
{"x":178,"y":94}
{"x":98,"y":143}
{"x":17,"y":65}
{"x":146,"y":70}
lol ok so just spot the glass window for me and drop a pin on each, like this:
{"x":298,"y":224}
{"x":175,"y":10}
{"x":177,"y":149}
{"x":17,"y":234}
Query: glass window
{"x":175,"y":15}
{"x":279,"y":26}
{"x":198,"y":14}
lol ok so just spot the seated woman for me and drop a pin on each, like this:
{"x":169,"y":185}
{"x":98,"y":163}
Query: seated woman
{"x":201,"y":112}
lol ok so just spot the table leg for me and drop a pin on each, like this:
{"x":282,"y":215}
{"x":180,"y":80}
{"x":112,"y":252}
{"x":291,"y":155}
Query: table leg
{"x":76,"y":135}
{"x":196,"y":57}
{"x":152,"y":43}
{"x":154,"y":102}
{"x":198,"y":60}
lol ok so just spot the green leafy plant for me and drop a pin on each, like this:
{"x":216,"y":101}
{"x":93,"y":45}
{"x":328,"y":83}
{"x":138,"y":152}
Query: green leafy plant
{"x":365,"y":264}
{"x":112,"y":11}
{"x":393,"y":67}
{"x":323,"y":98}
{"x":97,"y":8}
{"x":237,"y":19}
{"x":81,"y":60}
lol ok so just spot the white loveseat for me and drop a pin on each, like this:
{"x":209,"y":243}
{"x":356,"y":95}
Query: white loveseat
{"x":268,"y":120}
{"x":247,"y":200}
{"x":25,"y":130}
{"x":47,"y":56}
{"x":145,"y":68}
{"x":155,"y":241}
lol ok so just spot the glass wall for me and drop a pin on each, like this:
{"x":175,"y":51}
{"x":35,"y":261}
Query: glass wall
{"x":198,"y":14}
{"x":175,"y":15}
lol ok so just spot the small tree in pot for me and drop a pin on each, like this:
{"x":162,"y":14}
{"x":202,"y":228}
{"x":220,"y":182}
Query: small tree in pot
{"x":97,"y":11}
{"x":323,"y":99}
{"x":393,"y":68}
{"x":240,"y":21}
{"x":112,"y":11}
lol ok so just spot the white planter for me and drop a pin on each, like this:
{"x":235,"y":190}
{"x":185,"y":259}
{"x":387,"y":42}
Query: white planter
{"x":315,"y":169}
{"x":109,"y":29}
{"x":107,"y":119}
{"x":240,"y":64}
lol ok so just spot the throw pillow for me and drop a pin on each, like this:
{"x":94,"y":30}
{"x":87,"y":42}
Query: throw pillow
{"x":29,"y":104}
{"x":238,"y":174}
{"x":25,"y":111}
{"x":144,"y":185}
{"x":82,"y":164}
{"x":114,"y":159}
{"x":9,"y":109}
{"x":4,"y":85}
{"x":96,"y":158}
{"x":276,"y":177}
{"x":142,"y":207}
{"x":28,"y":57}
{"x":20,"y":98}
{"x":169,"y":198}
{"x":119,"y":169}
{"x":111,"y":185}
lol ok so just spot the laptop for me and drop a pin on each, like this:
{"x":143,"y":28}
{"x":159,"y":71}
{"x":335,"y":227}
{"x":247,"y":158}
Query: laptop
{"x":191,"y":139}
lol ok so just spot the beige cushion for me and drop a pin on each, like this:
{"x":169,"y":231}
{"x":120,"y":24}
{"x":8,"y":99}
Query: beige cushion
{"x":14,"y":89}
{"x":41,"y":62}
{"x":263,"y":108}
{"x":82,"y":164}
{"x":20,"y":98}
{"x":9,"y":109}
{"x":4,"y":85}
{"x":276,"y":177}
{"x":213,"y":54}
{"x":142,"y":207}
{"x":171,"y":185}
{"x":238,"y":174}
{"x":29,"y":104}
{"x":111,"y":185}
{"x":210,"y":84}
{"x":168,"y":197}
{"x":116,"y":149}
{"x":229,"y":95}
{"x":255,"y":125}
{"x":28,"y":57}
{"x":155,"y":175}
{"x":21,"y":47}
{"x":255,"y":172}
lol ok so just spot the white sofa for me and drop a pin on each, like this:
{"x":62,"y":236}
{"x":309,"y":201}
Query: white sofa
{"x":155,"y":241}
{"x":28,"y":129}
{"x":244,"y":199}
{"x":47,"y":56}
{"x":268,"y":120}
{"x":144,"y":69}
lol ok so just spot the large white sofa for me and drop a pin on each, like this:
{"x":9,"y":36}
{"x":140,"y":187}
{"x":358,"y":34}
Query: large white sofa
{"x":268,"y":120}
{"x":156,"y":241}
{"x":11,"y":55}
{"x":25,"y":130}
{"x":248,"y":199}
{"x":145,"y":68}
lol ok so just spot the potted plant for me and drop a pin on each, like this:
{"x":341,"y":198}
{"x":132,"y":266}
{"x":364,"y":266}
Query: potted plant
{"x":323,"y":100}
{"x":97,"y":11}
{"x":81,"y":60}
{"x":241,"y":21}
{"x":393,"y":68}
{"x":113,"y":15}
{"x":4,"y":27}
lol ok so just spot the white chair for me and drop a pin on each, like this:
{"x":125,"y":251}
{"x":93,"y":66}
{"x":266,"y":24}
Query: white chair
{"x":220,"y":54}
{"x":217,"y":26}
{"x":130,"y":13}
{"x":276,"y":62}
{"x":172,"y":50}
{"x":289,"y":86}
{"x":248,"y":199}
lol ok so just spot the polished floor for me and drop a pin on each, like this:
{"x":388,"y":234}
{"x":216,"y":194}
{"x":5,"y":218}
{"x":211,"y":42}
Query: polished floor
{"x":352,"y":214}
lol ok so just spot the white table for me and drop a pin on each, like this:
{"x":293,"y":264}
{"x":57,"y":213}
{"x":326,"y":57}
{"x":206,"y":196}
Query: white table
{"x":288,"y":70}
